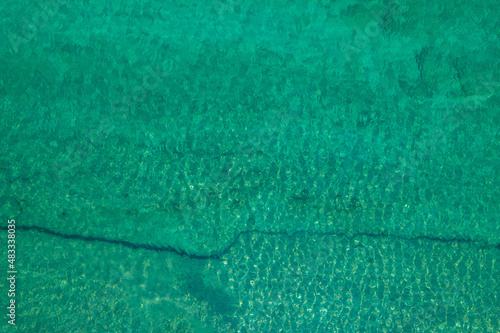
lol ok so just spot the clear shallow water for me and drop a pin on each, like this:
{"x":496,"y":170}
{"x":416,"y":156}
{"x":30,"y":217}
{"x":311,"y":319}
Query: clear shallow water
{"x":242,"y":168}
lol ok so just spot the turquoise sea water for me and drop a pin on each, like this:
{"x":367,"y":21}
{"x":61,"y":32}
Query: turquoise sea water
{"x":238,"y":166}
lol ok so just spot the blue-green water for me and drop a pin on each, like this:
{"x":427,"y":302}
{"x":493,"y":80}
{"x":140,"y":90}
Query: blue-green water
{"x":305,"y":166}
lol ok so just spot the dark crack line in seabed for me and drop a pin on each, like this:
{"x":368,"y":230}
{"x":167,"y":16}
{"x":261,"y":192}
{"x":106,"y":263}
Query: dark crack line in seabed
{"x":230,"y":245}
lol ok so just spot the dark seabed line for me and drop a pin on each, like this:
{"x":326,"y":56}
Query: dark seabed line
{"x":231,"y":244}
